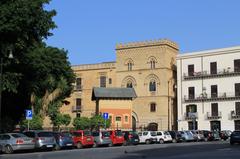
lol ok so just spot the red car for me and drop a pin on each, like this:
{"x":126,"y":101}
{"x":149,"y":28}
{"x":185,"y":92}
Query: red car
{"x":116,"y":137}
{"x":82,"y":138}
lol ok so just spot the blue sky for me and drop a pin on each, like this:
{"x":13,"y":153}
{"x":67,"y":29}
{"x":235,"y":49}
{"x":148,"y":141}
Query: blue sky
{"x":90,"y":29}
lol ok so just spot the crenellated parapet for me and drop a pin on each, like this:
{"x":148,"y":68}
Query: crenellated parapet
{"x":147,"y":43}
{"x":104,"y":65}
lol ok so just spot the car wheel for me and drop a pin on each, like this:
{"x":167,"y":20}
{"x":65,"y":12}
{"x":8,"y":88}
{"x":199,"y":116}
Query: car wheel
{"x":147,"y":141}
{"x":95,"y":145}
{"x":57,"y":147}
{"x":8,"y":149}
{"x":79,"y":145}
{"x":161,"y":141}
{"x":231,"y":143}
{"x":110,"y":145}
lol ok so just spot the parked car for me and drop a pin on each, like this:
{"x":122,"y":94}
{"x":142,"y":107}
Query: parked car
{"x":101,"y":138}
{"x":195,"y":135}
{"x":225,"y":134}
{"x":198,"y":134}
{"x":82,"y":138}
{"x":235,"y":137}
{"x":176,"y":136}
{"x":130,"y":138}
{"x":63,"y":140}
{"x":187,"y":135}
{"x":44,"y":139}
{"x":116,"y":137}
{"x":208,"y":135}
{"x":11,"y":142}
{"x":163,"y":136}
{"x":147,"y":137}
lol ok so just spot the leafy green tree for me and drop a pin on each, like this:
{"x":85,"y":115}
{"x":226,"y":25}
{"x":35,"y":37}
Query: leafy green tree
{"x":66,"y":119}
{"x":97,"y":122}
{"x":23,"y":24}
{"x":81,"y":123}
{"x":35,"y":124}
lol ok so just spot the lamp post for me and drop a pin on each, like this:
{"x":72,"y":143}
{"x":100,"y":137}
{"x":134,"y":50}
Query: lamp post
{"x":168,"y":106}
{"x":1,"y":86}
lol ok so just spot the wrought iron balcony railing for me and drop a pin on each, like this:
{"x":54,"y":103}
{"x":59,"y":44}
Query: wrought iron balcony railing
{"x":204,"y":97}
{"x":216,"y":115}
{"x":235,"y":115}
{"x":76,"y":108}
{"x":78,"y":88}
{"x":208,"y":74}
{"x":190,"y":116}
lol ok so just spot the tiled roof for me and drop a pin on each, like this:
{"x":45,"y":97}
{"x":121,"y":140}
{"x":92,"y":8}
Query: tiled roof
{"x":117,"y":93}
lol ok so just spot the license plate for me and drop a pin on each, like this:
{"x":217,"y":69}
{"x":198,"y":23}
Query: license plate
{"x":136,"y":140}
{"x":69,"y":144}
{"x":88,"y":139}
{"x":49,"y":145}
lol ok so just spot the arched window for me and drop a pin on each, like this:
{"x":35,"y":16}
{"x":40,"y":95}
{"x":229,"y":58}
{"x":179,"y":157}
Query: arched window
{"x":129,"y":85}
{"x":130,"y":66}
{"x":152,"y":86}
{"x":152,"y":62}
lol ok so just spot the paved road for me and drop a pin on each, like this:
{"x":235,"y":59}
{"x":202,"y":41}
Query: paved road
{"x":206,"y":150}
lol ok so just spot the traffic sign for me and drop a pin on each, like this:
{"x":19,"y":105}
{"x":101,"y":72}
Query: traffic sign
{"x":28,"y":114}
{"x":105,"y":116}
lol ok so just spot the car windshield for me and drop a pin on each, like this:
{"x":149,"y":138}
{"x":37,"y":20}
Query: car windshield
{"x":87,"y":133}
{"x":18,"y":135}
{"x":105,"y":134}
{"x":45,"y":134}
{"x":153,"y":133}
{"x":65,"y":134}
{"x":188,"y":133}
{"x":77,"y":134}
{"x":118,"y":133}
{"x":236,"y":133}
{"x":166,"y":133}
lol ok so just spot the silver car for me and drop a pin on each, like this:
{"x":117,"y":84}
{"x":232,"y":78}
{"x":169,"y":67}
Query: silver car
{"x":11,"y":142}
{"x":187,"y":135}
{"x":101,"y":138}
{"x":44,"y":139}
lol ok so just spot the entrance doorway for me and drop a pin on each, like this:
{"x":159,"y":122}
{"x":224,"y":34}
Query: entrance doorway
{"x":152,"y":127}
{"x":215,"y":125}
{"x":134,"y":123}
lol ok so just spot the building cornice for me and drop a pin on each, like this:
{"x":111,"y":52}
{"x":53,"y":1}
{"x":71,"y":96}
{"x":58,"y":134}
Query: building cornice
{"x":212,"y":52}
{"x":150,"y":43}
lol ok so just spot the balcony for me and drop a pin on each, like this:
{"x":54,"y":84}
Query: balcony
{"x":190,"y":116}
{"x":207,"y":74}
{"x":235,"y":115}
{"x":77,"y":109}
{"x":213,"y":116}
{"x":78,"y":88}
{"x":204,"y":97}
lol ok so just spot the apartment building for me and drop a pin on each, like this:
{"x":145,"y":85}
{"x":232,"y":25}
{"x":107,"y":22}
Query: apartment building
{"x":208,"y":85}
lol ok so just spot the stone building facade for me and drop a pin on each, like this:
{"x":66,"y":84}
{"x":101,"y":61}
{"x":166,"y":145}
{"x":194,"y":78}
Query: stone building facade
{"x":148,"y":67}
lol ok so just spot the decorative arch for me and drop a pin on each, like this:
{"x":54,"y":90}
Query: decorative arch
{"x":152,"y":58}
{"x":152,"y":78}
{"x":128,"y":80}
{"x":129,"y":60}
{"x":152,"y":61}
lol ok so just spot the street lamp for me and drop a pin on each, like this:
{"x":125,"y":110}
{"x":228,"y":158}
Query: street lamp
{"x":168,"y":106}
{"x":1,"y":85}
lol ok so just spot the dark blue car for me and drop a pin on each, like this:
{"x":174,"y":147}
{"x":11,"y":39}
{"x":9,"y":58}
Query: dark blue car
{"x":235,"y":137}
{"x":63,"y":140}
